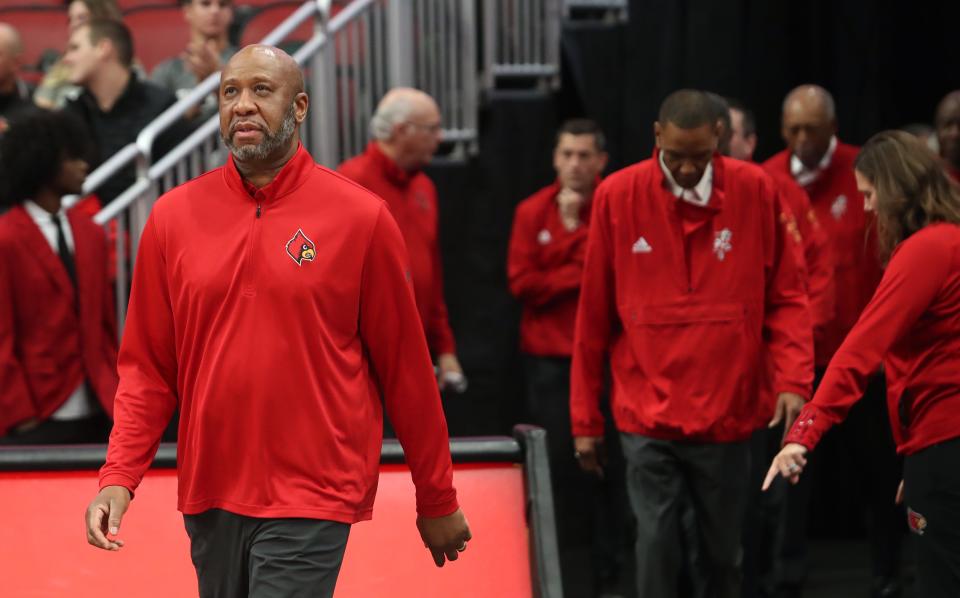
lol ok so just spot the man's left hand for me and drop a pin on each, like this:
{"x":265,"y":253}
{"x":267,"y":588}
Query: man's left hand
{"x":789,"y":405}
{"x":445,"y":537}
{"x":448,"y":369}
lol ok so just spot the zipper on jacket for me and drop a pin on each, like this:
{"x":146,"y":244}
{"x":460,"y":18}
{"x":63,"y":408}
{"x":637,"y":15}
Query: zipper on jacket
{"x":248,"y":288}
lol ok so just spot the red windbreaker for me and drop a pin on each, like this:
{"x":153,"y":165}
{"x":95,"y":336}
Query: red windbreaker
{"x":413,"y":202}
{"x":544,"y":267}
{"x":277,"y":322}
{"x":912,"y":324}
{"x":839,"y":209}
{"x":684,"y":299}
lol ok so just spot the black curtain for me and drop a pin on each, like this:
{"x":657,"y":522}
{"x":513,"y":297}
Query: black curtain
{"x":887,"y":63}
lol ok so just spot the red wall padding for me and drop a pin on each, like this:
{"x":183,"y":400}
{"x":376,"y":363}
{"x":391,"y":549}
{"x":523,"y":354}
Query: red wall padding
{"x":44,"y":551}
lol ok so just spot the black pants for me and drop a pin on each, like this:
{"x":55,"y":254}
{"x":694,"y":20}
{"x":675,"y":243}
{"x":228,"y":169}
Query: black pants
{"x":586,"y":507}
{"x":931,"y":487}
{"x":240,"y":557}
{"x":763,"y":522}
{"x":663,"y":478}
{"x":775,"y":538}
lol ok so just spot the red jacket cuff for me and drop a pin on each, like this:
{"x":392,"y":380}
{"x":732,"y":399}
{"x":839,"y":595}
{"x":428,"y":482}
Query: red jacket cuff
{"x":807,"y":430}
{"x":119,"y":479}
{"x":441,"y":509}
{"x":593,"y":429}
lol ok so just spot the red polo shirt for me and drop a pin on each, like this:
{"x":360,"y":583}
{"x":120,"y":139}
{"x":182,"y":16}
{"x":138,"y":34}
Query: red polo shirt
{"x":413,"y":202}
{"x":682,"y":300}
{"x":279,"y":323}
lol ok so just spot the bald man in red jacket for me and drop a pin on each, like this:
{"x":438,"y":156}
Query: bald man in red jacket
{"x":823,"y":165}
{"x":406,"y":131}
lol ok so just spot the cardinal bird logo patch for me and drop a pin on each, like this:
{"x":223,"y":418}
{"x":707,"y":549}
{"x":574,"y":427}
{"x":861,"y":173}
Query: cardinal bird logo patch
{"x":301,"y":249}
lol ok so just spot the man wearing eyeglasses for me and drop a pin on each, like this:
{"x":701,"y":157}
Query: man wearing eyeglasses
{"x":406,"y":132}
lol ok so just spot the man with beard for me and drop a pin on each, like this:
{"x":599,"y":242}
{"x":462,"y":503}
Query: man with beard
{"x":406,"y":131}
{"x":271,"y":303}
{"x":947,"y":122}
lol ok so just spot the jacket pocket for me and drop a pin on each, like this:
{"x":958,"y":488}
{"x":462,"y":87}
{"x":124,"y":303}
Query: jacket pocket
{"x":700,"y":361}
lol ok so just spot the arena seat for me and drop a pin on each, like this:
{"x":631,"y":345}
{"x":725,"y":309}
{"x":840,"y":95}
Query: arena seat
{"x":18,"y":4}
{"x":41,"y":28}
{"x":256,"y":3}
{"x":266,"y":20}
{"x":128,"y":5}
{"x":159,"y":32}
{"x":503,"y":485}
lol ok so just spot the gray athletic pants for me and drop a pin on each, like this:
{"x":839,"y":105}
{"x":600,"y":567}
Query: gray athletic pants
{"x":247,"y":557}
{"x":665,"y":478}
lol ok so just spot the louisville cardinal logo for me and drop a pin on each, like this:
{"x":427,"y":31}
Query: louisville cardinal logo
{"x":301,"y":249}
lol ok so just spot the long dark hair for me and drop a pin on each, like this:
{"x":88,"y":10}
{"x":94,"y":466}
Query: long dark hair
{"x":913,"y":189}
{"x":33,"y":150}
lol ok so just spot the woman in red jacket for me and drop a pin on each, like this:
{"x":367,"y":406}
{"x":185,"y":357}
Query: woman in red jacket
{"x":912,"y":326}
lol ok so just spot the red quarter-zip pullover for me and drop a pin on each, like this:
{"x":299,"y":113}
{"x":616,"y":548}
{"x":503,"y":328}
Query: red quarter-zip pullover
{"x":839,"y":209}
{"x":544,"y":267}
{"x":413,"y":202}
{"x":684,"y":299}
{"x":912,"y":324}
{"x":277,"y":322}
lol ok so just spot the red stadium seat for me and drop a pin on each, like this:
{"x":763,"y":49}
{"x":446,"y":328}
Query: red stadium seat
{"x":267,"y":19}
{"x":41,"y":28}
{"x":254,"y":3}
{"x":127,"y":5}
{"x":18,"y":4}
{"x":159,"y":32}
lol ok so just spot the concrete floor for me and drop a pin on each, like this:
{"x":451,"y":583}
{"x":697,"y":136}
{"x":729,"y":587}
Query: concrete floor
{"x":838,"y":569}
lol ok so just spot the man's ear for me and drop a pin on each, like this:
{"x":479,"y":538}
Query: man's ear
{"x":656,"y":132}
{"x":301,"y":106}
{"x":104,"y":48}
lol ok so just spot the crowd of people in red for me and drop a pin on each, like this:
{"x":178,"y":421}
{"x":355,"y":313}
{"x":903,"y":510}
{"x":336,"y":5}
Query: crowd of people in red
{"x":692,"y":324}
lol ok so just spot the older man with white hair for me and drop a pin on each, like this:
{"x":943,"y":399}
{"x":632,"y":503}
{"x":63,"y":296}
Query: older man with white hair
{"x":14,"y":93}
{"x":406,"y":132}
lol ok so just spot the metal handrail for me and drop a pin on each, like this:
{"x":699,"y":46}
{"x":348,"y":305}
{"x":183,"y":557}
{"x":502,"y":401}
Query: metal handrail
{"x":141,"y":149}
{"x":522,"y":40}
{"x":174,"y":113}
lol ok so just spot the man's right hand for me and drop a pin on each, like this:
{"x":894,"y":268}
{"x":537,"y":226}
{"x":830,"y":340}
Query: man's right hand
{"x":104,"y":515}
{"x":570,"y":202}
{"x":590,"y":451}
{"x":445,"y":537}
